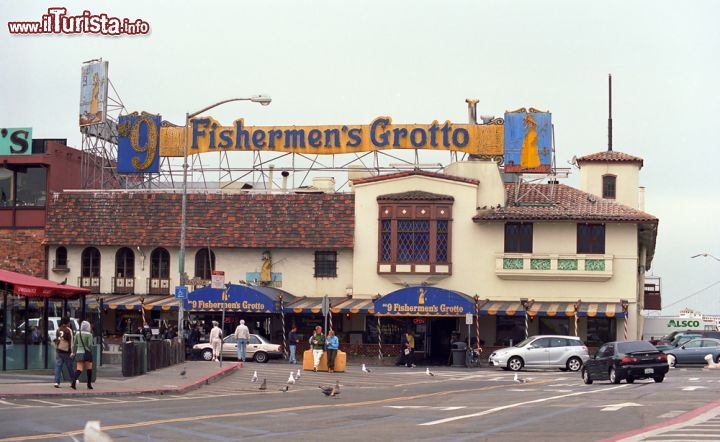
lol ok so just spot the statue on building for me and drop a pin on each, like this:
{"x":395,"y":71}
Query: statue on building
{"x":266,"y":269}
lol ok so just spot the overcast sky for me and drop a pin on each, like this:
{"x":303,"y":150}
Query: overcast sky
{"x":348,"y":62}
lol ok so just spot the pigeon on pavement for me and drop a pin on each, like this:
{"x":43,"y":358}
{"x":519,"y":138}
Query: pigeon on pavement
{"x":285,"y":389}
{"x":519,"y":380}
{"x":330,"y":391}
{"x":291,"y":379}
{"x":263,"y":386}
{"x":183,"y":372}
{"x":365,"y":369}
{"x":297,"y":376}
{"x":428,"y":372}
{"x":254,"y":377}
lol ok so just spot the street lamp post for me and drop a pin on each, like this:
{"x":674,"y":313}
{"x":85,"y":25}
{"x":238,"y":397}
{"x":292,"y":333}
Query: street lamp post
{"x":706,"y":255}
{"x":264,"y":100}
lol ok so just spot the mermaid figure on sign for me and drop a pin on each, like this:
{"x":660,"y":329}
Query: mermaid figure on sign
{"x":529,"y":157}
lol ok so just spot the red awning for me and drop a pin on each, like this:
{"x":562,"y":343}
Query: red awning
{"x":27,"y":285}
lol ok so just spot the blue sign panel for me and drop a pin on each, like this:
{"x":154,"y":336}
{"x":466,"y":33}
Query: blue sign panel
{"x":235,"y":298}
{"x":139,"y":143}
{"x":528,"y":142}
{"x":15,"y":141}
{"x":181,"y":292}
{"x":424,"y":301}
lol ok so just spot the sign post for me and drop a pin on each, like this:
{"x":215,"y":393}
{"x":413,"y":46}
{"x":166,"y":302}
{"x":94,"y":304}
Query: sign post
{"x":181,"y":295}
{"x":469,"y":322}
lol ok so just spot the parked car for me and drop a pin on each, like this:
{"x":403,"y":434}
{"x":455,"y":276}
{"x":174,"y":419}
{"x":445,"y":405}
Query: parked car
{"x":544,"y":351}
{"x":627,"y":360}
{"x":679,"y":340}
{"x":259,"y":349}
{"x":672,"y":337}
{"x":694,"y":352}
{"x":53,"y":326}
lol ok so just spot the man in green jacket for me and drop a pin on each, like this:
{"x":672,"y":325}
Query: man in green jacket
{"x":317,"y":343}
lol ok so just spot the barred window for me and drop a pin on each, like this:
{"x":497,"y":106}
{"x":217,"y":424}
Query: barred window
{"x":591,"y":238}
{"x":441,"y":244}
{"x":609,"y":186}
{"x":326,"y":264}
{"x":518,"y":237}
{"x":204,"y":263}
{"x":385,"y":240}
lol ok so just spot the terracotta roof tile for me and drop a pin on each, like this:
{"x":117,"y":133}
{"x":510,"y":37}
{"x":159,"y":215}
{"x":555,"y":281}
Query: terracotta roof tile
{"x":612,"y":156}
{"x":414,"y":195}
{"x":392,"y":176}
{"x":567,"y":204}
{"x":226,"y":220}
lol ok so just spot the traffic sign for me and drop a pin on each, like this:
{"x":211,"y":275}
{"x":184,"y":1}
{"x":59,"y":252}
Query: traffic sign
{"x":468,"y":318}
{"x":181,"y":292}
{"x":325,"y":305}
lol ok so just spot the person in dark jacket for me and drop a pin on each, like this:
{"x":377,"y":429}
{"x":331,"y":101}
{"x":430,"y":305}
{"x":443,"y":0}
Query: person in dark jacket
{"x":292,"y":344}
{"x":63,"y":350}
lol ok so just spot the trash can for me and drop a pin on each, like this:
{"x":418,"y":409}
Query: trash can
{"x":134,"y":355}
{"x":459,"y":353}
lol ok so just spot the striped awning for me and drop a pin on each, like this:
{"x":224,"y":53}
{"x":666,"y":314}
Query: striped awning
{"x":602,"y":310}
{"x":552,"y":309}
{"x":136,"y":302}
{"x":337,"y":305}
{"x":502,"y":308}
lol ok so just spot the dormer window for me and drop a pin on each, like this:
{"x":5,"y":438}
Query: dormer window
{"x":609,"y":186}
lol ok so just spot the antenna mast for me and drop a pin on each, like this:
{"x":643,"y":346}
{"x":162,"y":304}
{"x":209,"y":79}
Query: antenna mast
{"x":609,"y":112}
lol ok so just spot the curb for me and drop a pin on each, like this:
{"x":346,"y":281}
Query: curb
{"x":157,"y":391}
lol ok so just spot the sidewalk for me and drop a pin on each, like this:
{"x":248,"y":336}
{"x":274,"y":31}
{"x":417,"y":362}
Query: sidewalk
{"x":110,"y":382}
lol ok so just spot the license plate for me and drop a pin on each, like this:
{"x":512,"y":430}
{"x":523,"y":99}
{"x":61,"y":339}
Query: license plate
{"x":649,"y":370}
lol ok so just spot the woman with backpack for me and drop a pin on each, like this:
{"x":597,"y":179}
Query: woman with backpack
{"x":82,"y":348}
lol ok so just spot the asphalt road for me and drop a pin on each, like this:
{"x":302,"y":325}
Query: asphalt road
{"x":389,"y":403}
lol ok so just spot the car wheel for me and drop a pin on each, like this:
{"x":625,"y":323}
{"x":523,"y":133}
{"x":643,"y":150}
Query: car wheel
{"x":659,"y":379}
{"x":207,"y":354}
{"x":672,"y":360}
{"x":574,"y":364}
{"x":586,"y":377}
{"x":630,"y":379}
{"x":614,"y":378}
{"x":717,"y":359}
{"x":260,"y":357}
{"x":515,"y":363}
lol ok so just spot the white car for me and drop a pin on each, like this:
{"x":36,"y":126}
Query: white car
{"x":259,"y":349}
{"x":568,"y":353}
{"x":53,"y":325}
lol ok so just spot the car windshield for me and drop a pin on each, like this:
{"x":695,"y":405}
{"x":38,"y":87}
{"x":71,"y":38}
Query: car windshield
{"x":630,"y":347}
{"x":525,"y":342}
{"x":680,"y":340}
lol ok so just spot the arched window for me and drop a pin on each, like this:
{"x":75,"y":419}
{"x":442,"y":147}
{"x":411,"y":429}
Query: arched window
{"x":160,"y":264}
{"x":90,"y":263}
{"x":609,"y":186}
{"x":125,"y":263}
{"x":204,"y":263}
{"x":61,"y":258}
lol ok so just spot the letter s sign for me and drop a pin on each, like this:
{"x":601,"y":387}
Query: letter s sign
{"x":16,"y":141}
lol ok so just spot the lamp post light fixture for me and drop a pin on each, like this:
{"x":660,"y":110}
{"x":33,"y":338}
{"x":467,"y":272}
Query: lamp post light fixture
{"x":706,"y":255}
{"x":263,"y":100}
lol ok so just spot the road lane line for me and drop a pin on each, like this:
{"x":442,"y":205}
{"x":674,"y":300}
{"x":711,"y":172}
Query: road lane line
{"x":185,"y":419}
{"x":518,"y":404}
{"x":54,"y":404}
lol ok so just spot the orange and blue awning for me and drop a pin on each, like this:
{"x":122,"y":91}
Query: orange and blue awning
{"x":601,"y":310}
{"x":234,"y":298}
{"x":550,"y":309}
{"x":134,"y":302}
{"x":424,"y":301}
{"x":339,"y":305}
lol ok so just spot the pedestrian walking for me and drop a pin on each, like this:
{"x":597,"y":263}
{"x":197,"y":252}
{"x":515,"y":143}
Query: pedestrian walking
{"x":409,"y":349}
{"x":317,"y":343}
{"x":216,"y":340}
{"x":332,"y":344}
{"x":63,"y":350}
{"x":242,"y":334}
{"x":292,"y":343}
{"x":82,"y":349}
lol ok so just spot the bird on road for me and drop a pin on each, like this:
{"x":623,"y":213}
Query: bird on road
{"x":330,"y":391}
{"x":291,"y":379}
{"x":710,"y":363}
{"x":365,"y":369}
{"x":428,"y":372}
{"x":183,"y":372}
{"x":254,"y":377}
{"x":297,"y":376}
{"x":519,"y":380}
{"x":285,"y":389}
{"x":263,"y":386}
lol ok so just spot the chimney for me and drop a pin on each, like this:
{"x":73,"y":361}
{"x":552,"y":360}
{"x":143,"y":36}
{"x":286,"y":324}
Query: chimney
{"x":285,"y":175}
{"x":270,"y":177}
{"x":472,"y":109}
{"x":641,"y":198}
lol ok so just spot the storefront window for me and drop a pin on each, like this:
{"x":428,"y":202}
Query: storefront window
{"x":554,"y":326}
{"x":509,"y":330}
{"x":38,"y":333}
{"x":600,"y":330}
{"x":15,"y":325}
{"x":3,"y":328}
{"x":6,"y":187}
{"x":392,"y":329}
{"x":31,"y":186}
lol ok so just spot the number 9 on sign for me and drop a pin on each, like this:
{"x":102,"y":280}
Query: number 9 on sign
{"x":138,"y":143}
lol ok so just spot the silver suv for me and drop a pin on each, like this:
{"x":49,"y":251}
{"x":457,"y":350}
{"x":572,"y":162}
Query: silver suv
{"x":544,"y":351}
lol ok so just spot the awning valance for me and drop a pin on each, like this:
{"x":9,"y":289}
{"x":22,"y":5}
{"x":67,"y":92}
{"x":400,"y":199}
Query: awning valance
{"x":502,"y":308}
{"x":424,"y":301}
{"x":135,"y":302}
{"x":31,"y":286}
{"x":551,"y":309}
{"x":601,"y":310}
{"x":557,"y":309}
{"x":235,"y":298}
{"x":337,"y":305}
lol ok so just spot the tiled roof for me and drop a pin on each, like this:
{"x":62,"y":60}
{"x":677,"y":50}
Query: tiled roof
{"x":392,"y":176}
{"x":567,"y":204}
{"x":612,"y":156}
{"x":223,"y":220}
{"x":414,"y":195}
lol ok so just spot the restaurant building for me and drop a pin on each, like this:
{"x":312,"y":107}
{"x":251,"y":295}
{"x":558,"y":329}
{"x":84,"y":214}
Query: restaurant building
{"x":412,"y":250}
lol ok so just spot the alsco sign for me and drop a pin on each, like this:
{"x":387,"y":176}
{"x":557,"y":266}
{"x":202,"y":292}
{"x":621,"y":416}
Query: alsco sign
{"x":683,"y":323}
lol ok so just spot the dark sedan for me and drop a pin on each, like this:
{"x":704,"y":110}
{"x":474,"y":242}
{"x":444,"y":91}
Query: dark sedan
{"x":627,"y":360}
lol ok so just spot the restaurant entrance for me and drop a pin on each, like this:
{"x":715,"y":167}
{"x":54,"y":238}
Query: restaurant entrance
{"x":439,"y":333}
